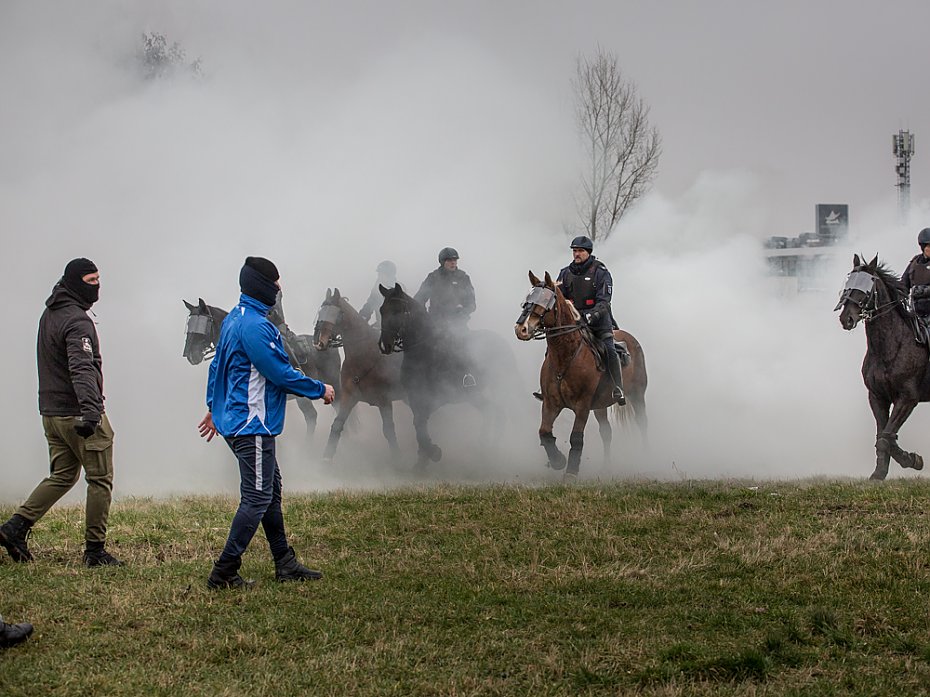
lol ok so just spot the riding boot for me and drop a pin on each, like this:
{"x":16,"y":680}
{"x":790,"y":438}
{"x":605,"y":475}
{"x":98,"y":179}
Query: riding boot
{"x":616,"y":375}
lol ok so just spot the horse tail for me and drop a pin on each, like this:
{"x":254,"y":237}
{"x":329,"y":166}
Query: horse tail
{"x":621,"y":415}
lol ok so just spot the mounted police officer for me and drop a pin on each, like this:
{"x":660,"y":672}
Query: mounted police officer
{"x":916,"y":278}
{"x":587,"y":284}
{"x":387,"y":277}
{"x":448,"y":292}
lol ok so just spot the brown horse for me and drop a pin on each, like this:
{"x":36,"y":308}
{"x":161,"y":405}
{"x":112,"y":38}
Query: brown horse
{"x":571,"y":377}
{"x":367,"y":375}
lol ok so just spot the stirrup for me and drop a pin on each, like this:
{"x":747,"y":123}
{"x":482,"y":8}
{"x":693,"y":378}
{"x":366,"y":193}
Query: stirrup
{"x":618,"y":398}
{"x":469,"y":381}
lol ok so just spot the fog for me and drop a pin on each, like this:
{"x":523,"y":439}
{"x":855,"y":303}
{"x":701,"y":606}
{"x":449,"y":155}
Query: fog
{"x":332,"y":137}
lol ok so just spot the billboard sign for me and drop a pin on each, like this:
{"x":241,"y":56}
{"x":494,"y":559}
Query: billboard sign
{"x":832,"y":220}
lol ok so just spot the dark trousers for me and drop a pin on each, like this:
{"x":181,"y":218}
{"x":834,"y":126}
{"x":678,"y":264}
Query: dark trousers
{"x":260,"y":497}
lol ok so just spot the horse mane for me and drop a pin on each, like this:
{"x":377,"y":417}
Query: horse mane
{"x":573,"y":311}
{"x":891,"y":280}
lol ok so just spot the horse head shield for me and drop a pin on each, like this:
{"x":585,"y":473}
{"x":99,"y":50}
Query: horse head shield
{"x":539,"y":301}
{"x":200,"y":333}
{"x":859,"y":297}
{"x":326,"y":328}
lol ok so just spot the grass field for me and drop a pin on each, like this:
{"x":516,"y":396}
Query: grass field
{"x":702,"y":588}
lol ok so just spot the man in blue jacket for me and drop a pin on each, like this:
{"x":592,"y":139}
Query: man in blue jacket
{"x":250,"y":377}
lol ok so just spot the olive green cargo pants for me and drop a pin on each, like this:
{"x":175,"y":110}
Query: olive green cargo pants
{"x":68,"y":453}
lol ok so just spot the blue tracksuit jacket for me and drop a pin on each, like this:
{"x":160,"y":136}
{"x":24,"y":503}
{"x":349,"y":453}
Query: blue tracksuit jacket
{"x":250,"y":375}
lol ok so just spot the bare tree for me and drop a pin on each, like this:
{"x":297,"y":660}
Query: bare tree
{"x":621,"y":148}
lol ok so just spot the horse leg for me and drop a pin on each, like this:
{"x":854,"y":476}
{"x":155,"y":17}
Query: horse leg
{"x":888,"y":437}
{"x":603,"y":424}
{"x":426,"y":449}
{"x":547,"y":440}
{"x":387,"y":428}
{"x":335,"y":432}
{"x":577,"y":444}
{"x":309,"y":412}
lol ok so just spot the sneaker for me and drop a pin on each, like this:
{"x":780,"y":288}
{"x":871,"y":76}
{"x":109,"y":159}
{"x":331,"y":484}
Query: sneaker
{"x":13,"y":534}
{"x":12,"y":634}
{"x":100,"y":557}
{"x":287,"y":568}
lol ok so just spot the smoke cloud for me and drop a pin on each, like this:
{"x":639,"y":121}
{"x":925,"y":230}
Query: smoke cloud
{"x":328,"y":143}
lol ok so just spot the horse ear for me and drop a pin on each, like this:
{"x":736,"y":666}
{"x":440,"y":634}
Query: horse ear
{"x":397,"y":288}
{"x":549,"y":283}
{"x":203,"y":305}
{"x":856,"y":262}
{"x":534,"y":281}
{"x":874,"y":263}
{"x":336,"y":294}
{"x":329,"y":294}
{"x":190,"y":308}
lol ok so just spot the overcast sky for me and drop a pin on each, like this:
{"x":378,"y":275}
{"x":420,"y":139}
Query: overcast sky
{"x":329,"y":136}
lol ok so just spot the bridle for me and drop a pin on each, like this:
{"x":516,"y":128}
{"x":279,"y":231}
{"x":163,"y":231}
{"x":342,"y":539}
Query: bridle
{"x":539,"y":302}
{"x":869,"y":309}
{"x":329,"y":314}
{"x":202,"y":326}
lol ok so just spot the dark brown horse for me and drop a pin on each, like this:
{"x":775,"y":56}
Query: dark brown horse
{"x":571,"y":377}
{"x":896,"y":369}
{"x":367,"y":375}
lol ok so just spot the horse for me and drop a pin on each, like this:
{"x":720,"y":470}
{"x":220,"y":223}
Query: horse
{"x":366,"y":376}
{"x":442,"y":366}
{"x":570,"y":375}
{"x":895,"y":368}
{"x":203,"y":331}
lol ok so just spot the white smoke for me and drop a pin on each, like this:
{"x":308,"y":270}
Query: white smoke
{"x":329,"y":155}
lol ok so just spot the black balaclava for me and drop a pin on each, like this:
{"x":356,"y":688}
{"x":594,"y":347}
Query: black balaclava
{"x":257,"y":280}
{"x":73,"y":280}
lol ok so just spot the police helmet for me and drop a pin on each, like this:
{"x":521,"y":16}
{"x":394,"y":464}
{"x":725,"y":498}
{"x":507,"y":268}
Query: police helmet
{"x":387,"y":268}
{"x":582,"y":242}
{"x":446,"y":254}
{"x":923,"y":237}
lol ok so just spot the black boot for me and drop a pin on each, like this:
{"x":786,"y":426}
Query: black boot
{"x":12,"y":634}
{"x":225,"y":574}
{"x":13,"y":535}
{"x":616,"y":375}
{"x":287,"y":568}
{"x":96,"y":555}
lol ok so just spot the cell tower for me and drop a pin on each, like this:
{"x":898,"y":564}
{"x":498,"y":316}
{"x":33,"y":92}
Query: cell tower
{"x":903,"y":149}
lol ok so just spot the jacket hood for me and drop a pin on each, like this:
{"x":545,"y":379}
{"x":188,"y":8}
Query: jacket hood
{"x":62,"y":297}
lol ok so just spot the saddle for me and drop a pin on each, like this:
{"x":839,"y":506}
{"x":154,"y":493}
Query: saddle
{"x":600,"y":354}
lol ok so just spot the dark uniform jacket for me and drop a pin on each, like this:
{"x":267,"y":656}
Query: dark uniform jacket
{"x":68,"y":355}
{"x":589,"y":287}
{"x":450,"y":294}
{"x":917,"y":274}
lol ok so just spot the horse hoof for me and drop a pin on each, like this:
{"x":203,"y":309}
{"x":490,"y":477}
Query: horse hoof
{"x":569,"y":478}
{"x":435,"y":453}
{"x":918,"y":462}
{"x":558,"y":464}
{"x":877,"y":476}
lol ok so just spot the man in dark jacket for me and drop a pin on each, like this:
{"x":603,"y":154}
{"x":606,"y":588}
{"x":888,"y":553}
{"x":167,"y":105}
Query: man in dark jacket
{"x":249,"y":380}
{"x":587,"y":284}
{"x":916,"y":277}
{"x":447,"y":292}
{"x":76,"y":427}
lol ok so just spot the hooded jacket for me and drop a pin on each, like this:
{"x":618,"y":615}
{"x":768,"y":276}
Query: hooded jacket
{"x":68,"y":357}
{"x":250,"y":375}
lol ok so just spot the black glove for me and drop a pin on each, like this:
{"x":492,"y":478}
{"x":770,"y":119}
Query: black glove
{"x":85,"y":428}
{"x":591,"y":317}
